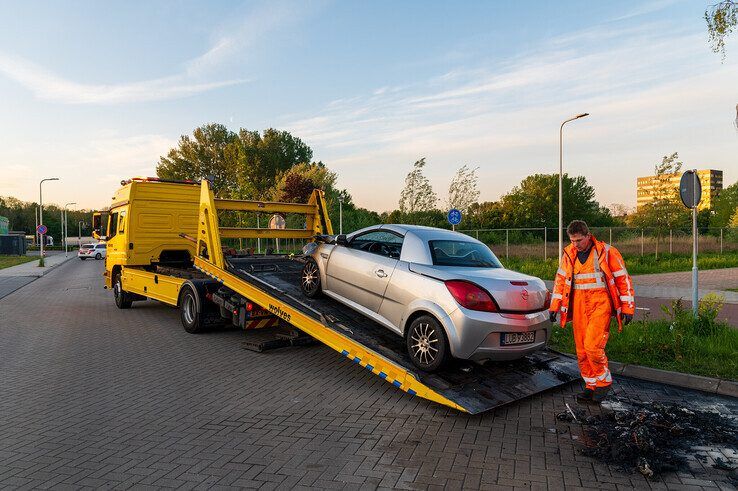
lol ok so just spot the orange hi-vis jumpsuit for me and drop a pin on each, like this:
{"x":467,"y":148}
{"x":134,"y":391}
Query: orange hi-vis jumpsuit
{"x":589,"y":294}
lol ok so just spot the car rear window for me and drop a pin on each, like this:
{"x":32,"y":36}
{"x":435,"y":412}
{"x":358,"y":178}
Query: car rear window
{"x":88,"y":246}
{"x":462,"y":253}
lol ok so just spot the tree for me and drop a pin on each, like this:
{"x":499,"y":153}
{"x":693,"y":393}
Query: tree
{"x":297,"y":183}
{"x":664,"y":211}
{"x":463,"y":190}
{"x":263,"y":157}
{"x":418,"y":194}
{"x":211,"y":152}
{"x":535,"y":202}
{"x":722,"y":19}
{"x":724,"y":206}
{"x":242,"y":165}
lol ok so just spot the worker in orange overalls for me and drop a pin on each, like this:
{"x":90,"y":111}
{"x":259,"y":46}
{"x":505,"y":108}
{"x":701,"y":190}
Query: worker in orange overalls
{"x":591,"y":286}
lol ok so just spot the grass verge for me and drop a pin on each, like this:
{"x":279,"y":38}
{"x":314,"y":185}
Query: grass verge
{"x":666,"y":263}
{"x":8,"y":261}
{"x":704,"y":347}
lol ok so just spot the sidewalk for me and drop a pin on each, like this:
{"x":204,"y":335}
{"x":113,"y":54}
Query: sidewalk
{"x":31,"y":269}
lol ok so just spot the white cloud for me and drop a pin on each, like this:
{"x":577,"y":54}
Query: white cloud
{"x":244,"y":35}
{"x":649,"y":88}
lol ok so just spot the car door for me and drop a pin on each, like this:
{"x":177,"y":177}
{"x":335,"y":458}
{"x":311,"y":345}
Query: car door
{"x":361,"y":271}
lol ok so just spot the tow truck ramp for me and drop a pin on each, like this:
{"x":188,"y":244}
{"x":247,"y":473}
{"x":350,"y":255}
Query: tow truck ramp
{"x":273,"y":283}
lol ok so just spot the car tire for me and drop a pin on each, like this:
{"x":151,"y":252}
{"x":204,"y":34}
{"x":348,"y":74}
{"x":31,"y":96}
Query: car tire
{"x":123,"y":300}
{"x":98,"y":256}
{"x":427,"y":344}
{"x":310,"y":279}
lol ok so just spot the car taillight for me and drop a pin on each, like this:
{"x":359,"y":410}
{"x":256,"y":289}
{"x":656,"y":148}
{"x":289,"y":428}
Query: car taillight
{"x":547,"y":303}
{"x":470,"y":296}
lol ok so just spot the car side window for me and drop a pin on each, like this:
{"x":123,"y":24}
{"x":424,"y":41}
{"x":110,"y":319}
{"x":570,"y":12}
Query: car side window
{"x":380,"y":242}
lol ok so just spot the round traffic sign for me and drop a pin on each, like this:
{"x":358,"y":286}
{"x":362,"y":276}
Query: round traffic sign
{"x":454,"y":216}
{"x":42,"y":229}
{"x":690,"y":189}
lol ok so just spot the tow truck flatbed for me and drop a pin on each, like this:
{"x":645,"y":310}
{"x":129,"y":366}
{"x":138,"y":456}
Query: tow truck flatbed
{"x":475,"y":388}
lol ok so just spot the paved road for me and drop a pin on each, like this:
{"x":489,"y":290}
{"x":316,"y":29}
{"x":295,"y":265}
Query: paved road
{"x":710,"y":279}
{"x":93,"y":397}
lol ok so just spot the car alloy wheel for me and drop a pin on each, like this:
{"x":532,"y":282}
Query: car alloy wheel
{"x":424,"y":343}
{"x":98,"y":256}
{"x":310,"y":279}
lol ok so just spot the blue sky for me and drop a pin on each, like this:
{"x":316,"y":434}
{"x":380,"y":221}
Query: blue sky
{"x":95,"y":92}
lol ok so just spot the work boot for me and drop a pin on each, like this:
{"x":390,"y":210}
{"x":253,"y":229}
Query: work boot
{"x":600,"y":393}
{"x":585,"y":395}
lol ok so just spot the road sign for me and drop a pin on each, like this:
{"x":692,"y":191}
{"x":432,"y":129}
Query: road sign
{"x":42,"y":229}
{"x":690,"y":189}
{"x":454,"y":216}
{"x":277,"y":222}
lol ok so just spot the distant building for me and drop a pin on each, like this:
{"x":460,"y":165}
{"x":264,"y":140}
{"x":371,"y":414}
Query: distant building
{"x":711,"y":180}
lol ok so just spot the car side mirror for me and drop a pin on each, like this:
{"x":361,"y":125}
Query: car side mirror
{"x":341,"y":240}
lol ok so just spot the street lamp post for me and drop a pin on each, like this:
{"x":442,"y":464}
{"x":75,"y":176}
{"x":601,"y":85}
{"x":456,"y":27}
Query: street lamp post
{"x":79,"y":234}
{"x":66,"y":232}
{"x":41,"y":215}
{"x":561,"y":181}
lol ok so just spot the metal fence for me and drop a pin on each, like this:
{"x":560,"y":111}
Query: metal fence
{"x":543,"y":242}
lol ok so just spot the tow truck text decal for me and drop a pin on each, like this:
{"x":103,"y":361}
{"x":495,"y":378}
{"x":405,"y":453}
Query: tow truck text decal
{"x":279,"y":312}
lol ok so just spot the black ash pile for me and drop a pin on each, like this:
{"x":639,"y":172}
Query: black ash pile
{"x":653,"y":438}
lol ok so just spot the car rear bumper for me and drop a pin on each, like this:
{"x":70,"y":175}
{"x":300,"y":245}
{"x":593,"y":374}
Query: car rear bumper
{"x":478,"y":335}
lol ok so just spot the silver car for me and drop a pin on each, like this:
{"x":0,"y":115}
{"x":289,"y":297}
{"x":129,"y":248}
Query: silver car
{"x":444,"y":292}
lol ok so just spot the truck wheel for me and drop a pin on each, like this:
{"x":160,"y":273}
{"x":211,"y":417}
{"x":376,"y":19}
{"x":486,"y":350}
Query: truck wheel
{"x":98,"y":256}
{"x":188,"y":312}
{"x":310,"y":279}
{"x":122,"y":299}
{"x":427,"y":344}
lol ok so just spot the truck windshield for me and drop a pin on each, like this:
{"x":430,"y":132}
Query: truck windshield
{"x":462,"y":253}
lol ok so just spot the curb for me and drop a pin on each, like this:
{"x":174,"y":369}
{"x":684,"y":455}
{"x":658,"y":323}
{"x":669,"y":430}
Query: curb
{"x":678,"y":379}
{"x":39,"y":272}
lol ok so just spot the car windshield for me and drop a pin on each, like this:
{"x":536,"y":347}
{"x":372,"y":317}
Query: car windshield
{"x":462,"y":253}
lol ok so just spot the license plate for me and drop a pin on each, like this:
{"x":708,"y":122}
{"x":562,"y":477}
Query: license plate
{"x":259,"y":313}
{"x":518,"y":338}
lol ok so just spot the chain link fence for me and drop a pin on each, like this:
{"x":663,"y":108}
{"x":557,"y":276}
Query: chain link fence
{"x":543,"y":242}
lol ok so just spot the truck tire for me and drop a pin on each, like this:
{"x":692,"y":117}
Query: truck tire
{"x":123,"y":299}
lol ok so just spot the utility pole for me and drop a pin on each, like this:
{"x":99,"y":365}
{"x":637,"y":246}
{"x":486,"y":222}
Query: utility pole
{"x":66,"y":232}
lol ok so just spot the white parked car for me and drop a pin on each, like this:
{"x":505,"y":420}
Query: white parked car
{"x":96,"y":251}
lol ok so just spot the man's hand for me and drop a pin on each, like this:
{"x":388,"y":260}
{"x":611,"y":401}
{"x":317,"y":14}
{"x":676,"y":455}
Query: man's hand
{"x":552,"y":316}
{"x":627,"y":319}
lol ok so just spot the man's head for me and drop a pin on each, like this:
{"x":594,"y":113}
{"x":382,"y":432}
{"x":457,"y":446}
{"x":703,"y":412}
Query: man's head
{"x":579,"y":235}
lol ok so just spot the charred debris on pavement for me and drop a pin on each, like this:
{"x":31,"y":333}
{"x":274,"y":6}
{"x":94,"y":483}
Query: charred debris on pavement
{"x":654,"y":438}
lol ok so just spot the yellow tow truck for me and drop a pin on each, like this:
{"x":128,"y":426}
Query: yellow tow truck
{"x":165,"y":243}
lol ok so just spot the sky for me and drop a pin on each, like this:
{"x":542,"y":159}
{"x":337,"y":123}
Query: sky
{"x":95,"y":92}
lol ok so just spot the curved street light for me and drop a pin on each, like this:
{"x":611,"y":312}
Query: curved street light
{"x":561,"y":181}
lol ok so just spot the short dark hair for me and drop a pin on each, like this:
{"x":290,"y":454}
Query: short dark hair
{"x":577,"y":227}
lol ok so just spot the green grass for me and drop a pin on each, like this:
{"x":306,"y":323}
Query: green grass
{"x":666,"y":263}
{"x":666,"y":345}
{"x":8,"y":261}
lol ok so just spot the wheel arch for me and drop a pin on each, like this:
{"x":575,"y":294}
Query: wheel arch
{"x":437,"y":313}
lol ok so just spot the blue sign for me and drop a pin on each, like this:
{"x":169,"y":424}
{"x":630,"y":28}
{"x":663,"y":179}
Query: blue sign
{"x":454,"y":216}
{"x":41,"y":229}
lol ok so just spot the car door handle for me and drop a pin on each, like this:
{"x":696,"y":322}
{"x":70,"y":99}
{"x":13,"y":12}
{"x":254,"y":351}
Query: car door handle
{"x":381,"y":273}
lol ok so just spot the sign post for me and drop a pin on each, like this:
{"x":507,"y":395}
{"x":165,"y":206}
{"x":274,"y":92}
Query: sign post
{"x":454,"y":218}
{"x":690,"y":190}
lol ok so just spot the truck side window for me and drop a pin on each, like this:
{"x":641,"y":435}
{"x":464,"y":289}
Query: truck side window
{"x":122,"y":222}
{"x":112,"y":225}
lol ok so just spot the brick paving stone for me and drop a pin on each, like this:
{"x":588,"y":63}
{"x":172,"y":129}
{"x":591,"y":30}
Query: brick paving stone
{"x":93,"y":396}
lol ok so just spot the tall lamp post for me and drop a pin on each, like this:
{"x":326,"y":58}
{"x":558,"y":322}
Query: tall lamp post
{"x":66,"y":232}
{"x":41,"y":215}
{"x":561,"y":181}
